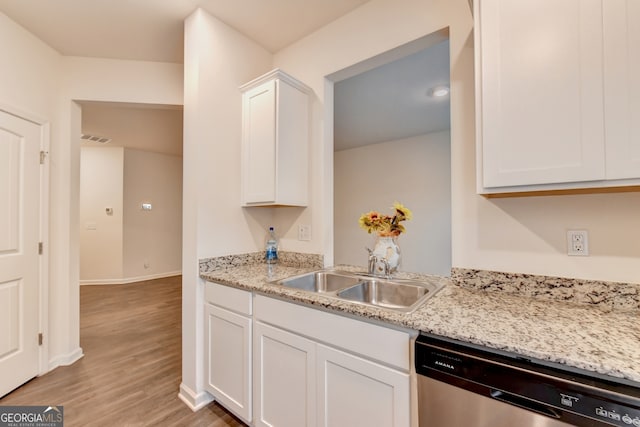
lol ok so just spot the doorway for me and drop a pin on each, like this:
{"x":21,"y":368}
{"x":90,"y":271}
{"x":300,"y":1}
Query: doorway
{"x":392,"y":143}
{"x":130,"y":192}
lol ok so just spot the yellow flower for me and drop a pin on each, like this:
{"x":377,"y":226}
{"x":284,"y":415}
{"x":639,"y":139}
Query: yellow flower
{"x":369,"y":221}
{"x":402,"y":212}
{"x":386,"y":225}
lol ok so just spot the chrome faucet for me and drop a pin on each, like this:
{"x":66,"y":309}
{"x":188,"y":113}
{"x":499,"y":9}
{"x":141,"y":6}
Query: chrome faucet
{"x":371,"y":265}
{"x":374,"y":269}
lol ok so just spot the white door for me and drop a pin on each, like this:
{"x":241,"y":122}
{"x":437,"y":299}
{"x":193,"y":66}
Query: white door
{"x":19,"y":260}
{"x":284,"y":378}
{"x":228,"y":364}
{"x":356,"y":392}
{"x":542,"y":96}
{"x":259,"y":143}
{"x":622,"y":87}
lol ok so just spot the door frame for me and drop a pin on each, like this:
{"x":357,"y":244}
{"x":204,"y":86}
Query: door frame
{"x":43,"y":280}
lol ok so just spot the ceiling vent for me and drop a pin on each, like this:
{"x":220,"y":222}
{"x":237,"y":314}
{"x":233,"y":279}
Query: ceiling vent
{"x":96,"y":139}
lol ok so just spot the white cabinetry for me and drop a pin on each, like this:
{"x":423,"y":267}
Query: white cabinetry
{"x":228,"y":348}
{"x":328,"y":370}
{"x":357,"y":392}
{"x":556,"y":94}
{"x":285,"y":387}
{"x":275,"y":139}
{"x":622,"y":84}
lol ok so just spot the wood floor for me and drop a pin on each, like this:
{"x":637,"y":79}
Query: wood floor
{"x":130,"y":373}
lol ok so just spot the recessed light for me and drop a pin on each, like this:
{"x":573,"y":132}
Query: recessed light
{"x":439,"y":91}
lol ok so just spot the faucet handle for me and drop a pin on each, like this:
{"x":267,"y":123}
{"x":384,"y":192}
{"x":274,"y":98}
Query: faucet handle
{"x":369,"y":250}
{"x":387,"y":268}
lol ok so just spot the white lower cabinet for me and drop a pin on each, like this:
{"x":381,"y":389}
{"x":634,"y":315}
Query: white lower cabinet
{"x":356,"y":392}
{"x":228,"y":348}
{"x":285,"y":386}
{"x":313,"y":368}
{"x":278,"y":364}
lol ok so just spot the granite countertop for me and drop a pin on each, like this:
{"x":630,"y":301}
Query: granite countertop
{"x":582,"y":336}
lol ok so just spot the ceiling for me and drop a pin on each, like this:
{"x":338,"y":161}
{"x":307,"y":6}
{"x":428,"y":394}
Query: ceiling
{"x":152,"y":30}
{"x":392,"y":101}
{"x":140,"y":127}
{"x":383,"y":104}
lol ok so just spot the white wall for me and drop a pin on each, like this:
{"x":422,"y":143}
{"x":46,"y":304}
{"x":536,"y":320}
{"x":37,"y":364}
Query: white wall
{"x":23,"y":83}
{"x":101,"y":234}
{"x":152,"y":239}
{"x":113,"y":80}
{"x":130,"y":244}
{"x":218,"y":60}
{"x":414,"y":171}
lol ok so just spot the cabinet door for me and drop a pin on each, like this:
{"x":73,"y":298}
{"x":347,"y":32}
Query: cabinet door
{"x":357,"y":392}
{"x":259,"y":143}
{"x":228,"y":362}
{"x":284,"y":382}
{"x":540,"y":98}
{"x":622,"y":87}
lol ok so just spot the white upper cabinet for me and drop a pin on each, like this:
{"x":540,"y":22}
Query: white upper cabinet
{"x":555,"y":100}
{"x":275,"y":140}
{"x":622,"y":85}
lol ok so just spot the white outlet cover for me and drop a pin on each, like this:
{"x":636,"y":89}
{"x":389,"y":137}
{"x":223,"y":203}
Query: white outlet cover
{"x":577,"y":243}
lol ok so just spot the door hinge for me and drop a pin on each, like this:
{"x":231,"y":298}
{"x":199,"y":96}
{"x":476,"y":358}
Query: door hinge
{"x":43,"y":155}
{"x":40,"y":338}
{"x":40,"y":248}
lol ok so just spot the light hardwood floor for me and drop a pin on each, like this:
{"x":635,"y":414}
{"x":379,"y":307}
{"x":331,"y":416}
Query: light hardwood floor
{"x":130,"y":373}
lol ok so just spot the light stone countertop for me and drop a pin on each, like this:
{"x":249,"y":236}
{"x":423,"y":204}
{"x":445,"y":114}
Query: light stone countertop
{"x":581,"y":336}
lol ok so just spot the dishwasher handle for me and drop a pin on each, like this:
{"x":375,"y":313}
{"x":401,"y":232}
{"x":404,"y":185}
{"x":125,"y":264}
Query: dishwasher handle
{"x":524,"y":403}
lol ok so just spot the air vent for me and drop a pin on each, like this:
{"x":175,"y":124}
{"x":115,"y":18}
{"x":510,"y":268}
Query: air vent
{"x":96,"y":139}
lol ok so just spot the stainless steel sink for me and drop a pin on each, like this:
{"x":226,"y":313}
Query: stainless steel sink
{"x":395,"y":294}
{"x":321,"y":281}
{"x":387,"y":294}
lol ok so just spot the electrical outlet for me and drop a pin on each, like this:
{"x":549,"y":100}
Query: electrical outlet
{"x":577,"y":243}
{"x":304,"y":232}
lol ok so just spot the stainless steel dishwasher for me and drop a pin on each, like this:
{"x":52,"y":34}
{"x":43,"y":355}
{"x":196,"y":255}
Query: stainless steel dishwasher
{"x":465,"y":385}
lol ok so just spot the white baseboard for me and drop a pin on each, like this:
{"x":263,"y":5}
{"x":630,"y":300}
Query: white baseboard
{"x":124,"y":281}
{"x":66,"y":359}
{"x":195,"y":401}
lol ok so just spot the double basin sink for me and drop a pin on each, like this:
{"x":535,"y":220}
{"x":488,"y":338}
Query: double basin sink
{"x":396,"y":294}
